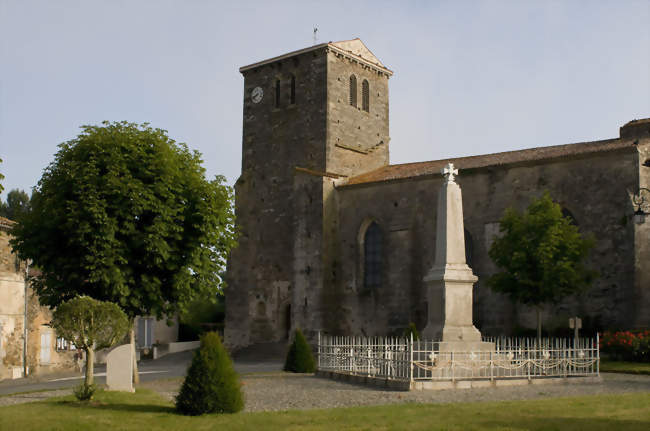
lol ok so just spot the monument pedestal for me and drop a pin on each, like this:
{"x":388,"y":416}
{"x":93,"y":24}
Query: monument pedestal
{"x":450,"y":298}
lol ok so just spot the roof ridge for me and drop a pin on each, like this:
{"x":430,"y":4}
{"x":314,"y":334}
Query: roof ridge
{"x":545,"y":147}
{"x":416,"y":169}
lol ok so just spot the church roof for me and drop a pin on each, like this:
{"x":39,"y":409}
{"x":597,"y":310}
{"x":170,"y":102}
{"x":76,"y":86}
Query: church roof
{"x":354,"y":48}
{"x":418,"y":169}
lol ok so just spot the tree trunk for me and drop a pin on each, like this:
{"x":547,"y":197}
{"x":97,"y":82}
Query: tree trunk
{"x":90,"y":366}
{"x":539,"y":325}
{"x":136,"y":377}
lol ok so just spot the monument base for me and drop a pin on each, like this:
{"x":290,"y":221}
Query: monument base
{"x":462,"y":359}
{"x":463,"y":339}
{"x":466,"y":346}
{"x":460,"y":333}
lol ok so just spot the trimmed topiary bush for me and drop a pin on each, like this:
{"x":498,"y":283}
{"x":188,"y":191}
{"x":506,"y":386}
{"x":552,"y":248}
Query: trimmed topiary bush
{"x":211,"y":384}
{"x":299,"y":358}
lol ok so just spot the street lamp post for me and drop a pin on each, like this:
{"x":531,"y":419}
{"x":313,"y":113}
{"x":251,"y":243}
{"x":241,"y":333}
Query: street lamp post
{"x":640,"y":200}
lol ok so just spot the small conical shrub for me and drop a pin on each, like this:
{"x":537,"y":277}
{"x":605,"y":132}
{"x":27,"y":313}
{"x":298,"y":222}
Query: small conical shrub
{"x":300,"y":358}
{"x":211,"y":384}
{"x":412,"y":329}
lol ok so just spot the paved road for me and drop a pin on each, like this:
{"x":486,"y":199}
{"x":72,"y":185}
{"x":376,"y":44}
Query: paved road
{"x":170,"y":366}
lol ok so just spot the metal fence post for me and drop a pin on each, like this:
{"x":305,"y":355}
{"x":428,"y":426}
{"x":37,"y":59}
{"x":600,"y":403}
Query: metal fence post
{"x":597,"y":354}
{"x":319,"y":350}
{"x":491,"y":366}
{"x":411,"y":360}
{"x":528,"y":358}
{"x":452,"y":366}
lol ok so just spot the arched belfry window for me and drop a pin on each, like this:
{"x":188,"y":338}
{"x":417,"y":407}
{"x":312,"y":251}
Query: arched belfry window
{"x":365,"y":95}
{"x":353,"y":90}
{"x":277,"y":93}
{"x":292,"y":95}
{"x":372,"y":256}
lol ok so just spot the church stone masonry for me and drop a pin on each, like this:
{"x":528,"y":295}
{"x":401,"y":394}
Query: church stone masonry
{"x":316,"y":176}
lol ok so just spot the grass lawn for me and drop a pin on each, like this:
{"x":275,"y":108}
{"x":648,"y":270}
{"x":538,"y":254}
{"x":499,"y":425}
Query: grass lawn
{"x":147,"y":410}
{"x":624,"y":367}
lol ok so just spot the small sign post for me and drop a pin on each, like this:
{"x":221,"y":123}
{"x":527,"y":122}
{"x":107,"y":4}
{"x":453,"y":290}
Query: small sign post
{"x":575,"y":323}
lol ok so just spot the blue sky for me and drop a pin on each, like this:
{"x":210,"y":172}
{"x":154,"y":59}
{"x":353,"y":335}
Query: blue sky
{"x":471,"y":77}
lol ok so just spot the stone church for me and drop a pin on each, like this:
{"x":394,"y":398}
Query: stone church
{"x":334,"y":238}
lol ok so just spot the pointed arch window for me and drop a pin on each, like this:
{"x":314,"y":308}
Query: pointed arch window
{"x":292,"y":95}
{"x":277,"y":93}
{"x":353,"y":91}
{"x":365,"y":95}
{"x":372,"y":256}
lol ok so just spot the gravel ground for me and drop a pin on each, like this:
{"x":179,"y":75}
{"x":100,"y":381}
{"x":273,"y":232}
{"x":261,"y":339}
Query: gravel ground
{"x":284,"y":391}
{"x":32,"y":396}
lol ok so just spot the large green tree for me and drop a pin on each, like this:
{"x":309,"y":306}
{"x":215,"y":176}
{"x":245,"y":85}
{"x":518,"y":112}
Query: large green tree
{"x":125,"y":214}
{"x":17,"y":204}
{"x":541,"y":254}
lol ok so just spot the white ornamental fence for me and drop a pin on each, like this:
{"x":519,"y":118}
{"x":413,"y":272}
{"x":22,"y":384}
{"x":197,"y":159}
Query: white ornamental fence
{"x":413,"y":360}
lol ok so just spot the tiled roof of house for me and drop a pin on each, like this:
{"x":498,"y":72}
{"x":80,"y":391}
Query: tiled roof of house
{"x":6,"y":224}
{"x":412,"y":170}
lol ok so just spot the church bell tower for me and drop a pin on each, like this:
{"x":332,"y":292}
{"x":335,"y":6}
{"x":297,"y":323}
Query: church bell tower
{"x":311,"y":117}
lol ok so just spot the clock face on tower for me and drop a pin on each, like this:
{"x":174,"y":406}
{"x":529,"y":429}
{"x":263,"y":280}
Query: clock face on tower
{"x":257,"y":94}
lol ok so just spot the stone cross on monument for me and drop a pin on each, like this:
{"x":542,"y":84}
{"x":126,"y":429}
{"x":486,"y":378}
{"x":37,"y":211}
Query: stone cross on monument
{"x":450,"y":281}
{"x":449,"y":172}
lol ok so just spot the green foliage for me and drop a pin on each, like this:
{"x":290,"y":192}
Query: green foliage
{"x":84,"y":392}
{"x":299,"y":358}
{"x":541,"y":254}
{"x":17,"y":204}
{"x":412,"y":330}
{"x":200,"y":314}
{"x":211,"y":384}
{"x":90,"y":323}
{"x":125,"y":214}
